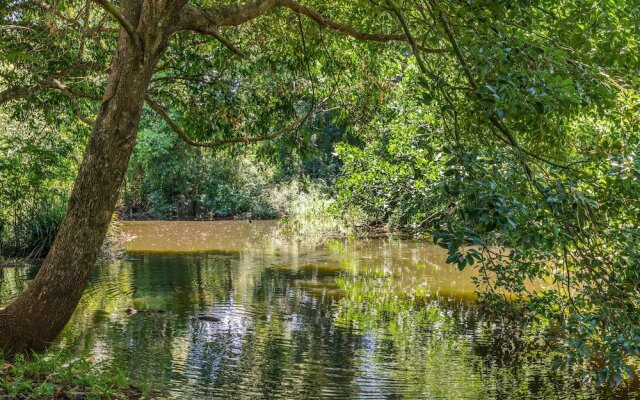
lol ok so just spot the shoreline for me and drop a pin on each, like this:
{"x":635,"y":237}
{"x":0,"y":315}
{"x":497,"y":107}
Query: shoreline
{"x":113,"y":248}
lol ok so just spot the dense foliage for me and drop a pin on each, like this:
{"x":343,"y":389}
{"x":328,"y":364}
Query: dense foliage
{"x":168,"y":178}
{"x":520,"y":156}
{"x":38,"y":167}
{"x":507,"y":131}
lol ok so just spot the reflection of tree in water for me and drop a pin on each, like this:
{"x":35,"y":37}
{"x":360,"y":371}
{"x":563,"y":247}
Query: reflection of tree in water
{"x":166,"y":291}
{"x":429,"y":341}
{"x":282,"y":345}
{"x":13,"y":281}
{"x":303,"y":329}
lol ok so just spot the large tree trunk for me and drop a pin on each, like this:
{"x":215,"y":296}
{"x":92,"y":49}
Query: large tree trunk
{"x":38,"y":315}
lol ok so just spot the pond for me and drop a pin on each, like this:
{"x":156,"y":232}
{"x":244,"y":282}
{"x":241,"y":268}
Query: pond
{"x":226,"y":310}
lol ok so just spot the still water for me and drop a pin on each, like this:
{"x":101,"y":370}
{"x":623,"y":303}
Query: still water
{"x":225,"y":310}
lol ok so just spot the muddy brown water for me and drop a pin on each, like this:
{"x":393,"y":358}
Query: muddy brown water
{"x":225,"y":309}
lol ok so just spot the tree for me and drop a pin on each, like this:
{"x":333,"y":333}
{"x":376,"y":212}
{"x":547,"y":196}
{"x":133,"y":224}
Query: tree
{"x":51,"y":44}
{"x":516,"y":122}
{"x":519,"y":154}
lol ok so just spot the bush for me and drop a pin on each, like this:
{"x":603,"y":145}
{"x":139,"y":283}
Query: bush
{"x":307,"y":210}
{"x":169,"y":179}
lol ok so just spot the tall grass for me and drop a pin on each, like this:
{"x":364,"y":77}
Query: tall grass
{"x":28,"y":231}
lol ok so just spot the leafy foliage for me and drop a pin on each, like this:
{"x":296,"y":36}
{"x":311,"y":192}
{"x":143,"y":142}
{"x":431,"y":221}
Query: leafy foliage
{"x":59,"y":375}
{"x":507,"y":130}
{"x":171,"y":179}
{"x":37,"y":170}
{"x":529,"y":169}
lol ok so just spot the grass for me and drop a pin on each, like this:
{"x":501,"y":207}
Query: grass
{"x":60,"y":376}
{"x":30,"y":231}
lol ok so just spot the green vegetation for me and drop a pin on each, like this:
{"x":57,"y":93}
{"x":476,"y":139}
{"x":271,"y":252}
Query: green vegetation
{"x":507,"y":132}
{"x":38,"y":167}
{"x":168,"y":178}
{"x":60,"y":376}
{"x":529,"y":172}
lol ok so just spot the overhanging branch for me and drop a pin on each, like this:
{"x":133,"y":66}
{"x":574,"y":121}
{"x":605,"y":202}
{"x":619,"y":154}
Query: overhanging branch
{"x":217,"y":143}
{"x":495,"y":120}
{"x":227,"y":43}
{"x":21,"y":92}
{"x":213,"y":31}
{"x":74,"y":102}
{"x":204,"y":19}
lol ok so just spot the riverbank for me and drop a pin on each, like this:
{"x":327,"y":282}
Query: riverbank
{"x":60,"y":376}
{"x":112,"y":249}
{"x":123,"y":231}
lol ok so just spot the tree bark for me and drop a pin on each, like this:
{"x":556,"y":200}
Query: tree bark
{"x":38,"y":315}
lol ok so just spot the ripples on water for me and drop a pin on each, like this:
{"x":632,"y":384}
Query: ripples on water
{"x":251,"y":318}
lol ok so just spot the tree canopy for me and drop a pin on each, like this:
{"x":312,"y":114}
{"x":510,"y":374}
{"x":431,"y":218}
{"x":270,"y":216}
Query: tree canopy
{"x":506,"y":130}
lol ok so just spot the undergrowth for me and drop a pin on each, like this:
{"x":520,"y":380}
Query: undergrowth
{"x":61,"y":376}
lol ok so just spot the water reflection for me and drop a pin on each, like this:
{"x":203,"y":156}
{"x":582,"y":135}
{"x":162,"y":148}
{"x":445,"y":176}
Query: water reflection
{"x":249,"y":318}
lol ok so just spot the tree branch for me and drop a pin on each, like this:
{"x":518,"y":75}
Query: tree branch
{"x":126,"y":25}
{"x":74,"y":102}
{"x":493,"y":117}
{"x":238,"y":139}
{"x":21,"y":92}
{"x":213,"y":31}
{"x":338,"y":27}
{"x":227,"y":43}
{"x":409,"y":36}
{"x":203,"y":19}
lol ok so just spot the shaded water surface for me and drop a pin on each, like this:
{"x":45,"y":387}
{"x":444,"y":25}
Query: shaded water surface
{"x":226,"y":311}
